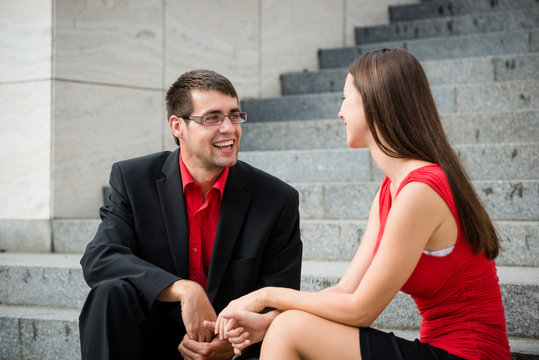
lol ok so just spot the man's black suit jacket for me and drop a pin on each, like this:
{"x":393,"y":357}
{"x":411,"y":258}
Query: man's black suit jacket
{"x":143,"y":237}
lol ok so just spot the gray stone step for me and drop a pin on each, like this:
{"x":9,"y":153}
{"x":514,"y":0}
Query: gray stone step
{"x":336,"y":240}
{"x":439,"y":72}
{"x":442,"y":8}
{"x":475,"y":45}
{"x":503,"y":199}
{"x":332,"y":239}
{"x":51,"y":280}
{"x":470,"y":128}
{"x":482,"y":161}
{"x":519,"y":285}
{"x":39,"y":333}
{"x":49,"y":333}
{"x":449,"y":26}
{"x":505,"y":96}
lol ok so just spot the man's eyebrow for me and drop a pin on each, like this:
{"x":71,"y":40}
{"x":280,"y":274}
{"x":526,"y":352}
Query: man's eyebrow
{"x":234,"y":109}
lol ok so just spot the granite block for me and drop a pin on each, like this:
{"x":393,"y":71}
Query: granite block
{"x":498,"y":96}
{"x":522,"y":312}
{"x":72,"y":235}
{"x":349,"y":200}
{"x":500,"y":161}
{"x":499,"y":43}
{"x":331,"y":239}
{"x":444,"y":98}
{"x":510,"y":200}
{"x":458,"y":71}
{"x":50,"y":338}
{"x":448,"y":26}
{"x":318,"y":275}
{"x":10,"y":345}
{"x":491,"y":128}
{"x":330,"y":80}
{"x":518,"y":67}
{"x":429,"y":9}
{"x":519,"y":242}
{"x":289,"y":135}
{"x":293,"y":107}
{"x":400,"y":313}
{"x":25,"y":235}
{"x":534,"y":40}
{"x":51,"y":280}
{"x":311,"y":200}
{"x":304,"y":166}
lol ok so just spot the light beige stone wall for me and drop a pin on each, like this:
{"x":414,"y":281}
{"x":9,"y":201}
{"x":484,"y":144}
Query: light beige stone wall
{"x":25,"y":122}
{"x":82,"y":85}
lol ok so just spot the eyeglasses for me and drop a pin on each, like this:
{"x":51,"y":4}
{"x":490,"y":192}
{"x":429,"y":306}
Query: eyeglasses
{"x":215,"y":119}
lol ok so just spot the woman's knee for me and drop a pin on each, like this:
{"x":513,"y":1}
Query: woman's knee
{"x":289,"y":322}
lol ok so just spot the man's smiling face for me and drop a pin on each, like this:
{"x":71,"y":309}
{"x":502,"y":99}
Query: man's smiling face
{"x":210,"y":148}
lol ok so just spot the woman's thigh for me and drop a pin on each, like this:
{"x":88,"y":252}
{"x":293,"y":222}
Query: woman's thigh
{"x":301,"y":335}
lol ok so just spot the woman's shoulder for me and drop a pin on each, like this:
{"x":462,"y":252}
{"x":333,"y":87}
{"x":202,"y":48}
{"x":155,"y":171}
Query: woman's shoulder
{"x":431,"y":174}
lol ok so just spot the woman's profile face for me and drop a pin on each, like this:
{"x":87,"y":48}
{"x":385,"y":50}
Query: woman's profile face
{"x":357,"y":129}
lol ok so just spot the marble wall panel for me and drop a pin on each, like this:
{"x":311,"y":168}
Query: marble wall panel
{"x":25,"y":40}
{"x":111,"y":42}
{"x":94,"y":126}
{"x":221,"y":35}
{"x":291,"y":34}
{"x":25,"y":156}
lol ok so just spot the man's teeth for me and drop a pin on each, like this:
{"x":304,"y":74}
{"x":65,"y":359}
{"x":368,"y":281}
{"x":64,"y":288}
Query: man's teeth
{"x":224,"y":143}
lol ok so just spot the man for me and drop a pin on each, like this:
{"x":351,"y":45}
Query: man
{"x":184,"y":233}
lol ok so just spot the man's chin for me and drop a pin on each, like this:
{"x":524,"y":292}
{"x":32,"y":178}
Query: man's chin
{"x":227,"y":163}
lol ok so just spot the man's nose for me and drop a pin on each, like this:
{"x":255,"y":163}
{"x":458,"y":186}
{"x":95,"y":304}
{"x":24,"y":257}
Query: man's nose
{"x":226,"y":125}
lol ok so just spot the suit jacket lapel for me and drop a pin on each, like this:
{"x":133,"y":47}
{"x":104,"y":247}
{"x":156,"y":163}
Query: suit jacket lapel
{"x":233,"y":210}
{"x":170,"y":193}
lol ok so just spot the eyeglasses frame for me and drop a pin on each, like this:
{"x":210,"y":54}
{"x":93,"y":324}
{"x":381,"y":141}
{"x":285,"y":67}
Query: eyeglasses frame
{"x":199,"y":118}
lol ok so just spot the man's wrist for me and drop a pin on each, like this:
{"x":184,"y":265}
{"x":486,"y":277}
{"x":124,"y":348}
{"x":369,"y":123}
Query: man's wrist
{"x":184,"y":288}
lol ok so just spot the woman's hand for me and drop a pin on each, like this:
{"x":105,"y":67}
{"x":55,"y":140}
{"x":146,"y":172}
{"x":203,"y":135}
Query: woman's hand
{"x":245,"y":328}
{"x":252,"y":302}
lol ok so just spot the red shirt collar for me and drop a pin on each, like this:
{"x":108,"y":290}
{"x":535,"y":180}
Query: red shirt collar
{"x":188,"y":179}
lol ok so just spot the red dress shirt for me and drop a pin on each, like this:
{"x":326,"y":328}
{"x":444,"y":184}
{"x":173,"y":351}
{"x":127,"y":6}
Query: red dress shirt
{"x":202,"y":218}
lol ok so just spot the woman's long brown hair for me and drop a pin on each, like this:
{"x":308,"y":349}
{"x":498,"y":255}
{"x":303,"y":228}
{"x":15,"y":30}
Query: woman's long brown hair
{"x":399,"y":108}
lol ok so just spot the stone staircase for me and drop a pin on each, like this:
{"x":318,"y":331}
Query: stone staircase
{"x":482,"y":60}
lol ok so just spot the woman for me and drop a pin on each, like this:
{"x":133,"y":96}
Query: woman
{"x":427,"y":235}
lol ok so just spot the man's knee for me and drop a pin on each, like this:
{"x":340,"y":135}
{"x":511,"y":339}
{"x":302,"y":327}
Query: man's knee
{"x":112,"y":289}
{"x":113,"y":296}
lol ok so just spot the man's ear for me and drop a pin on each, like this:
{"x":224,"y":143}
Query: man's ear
{"x":176,"y":126}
